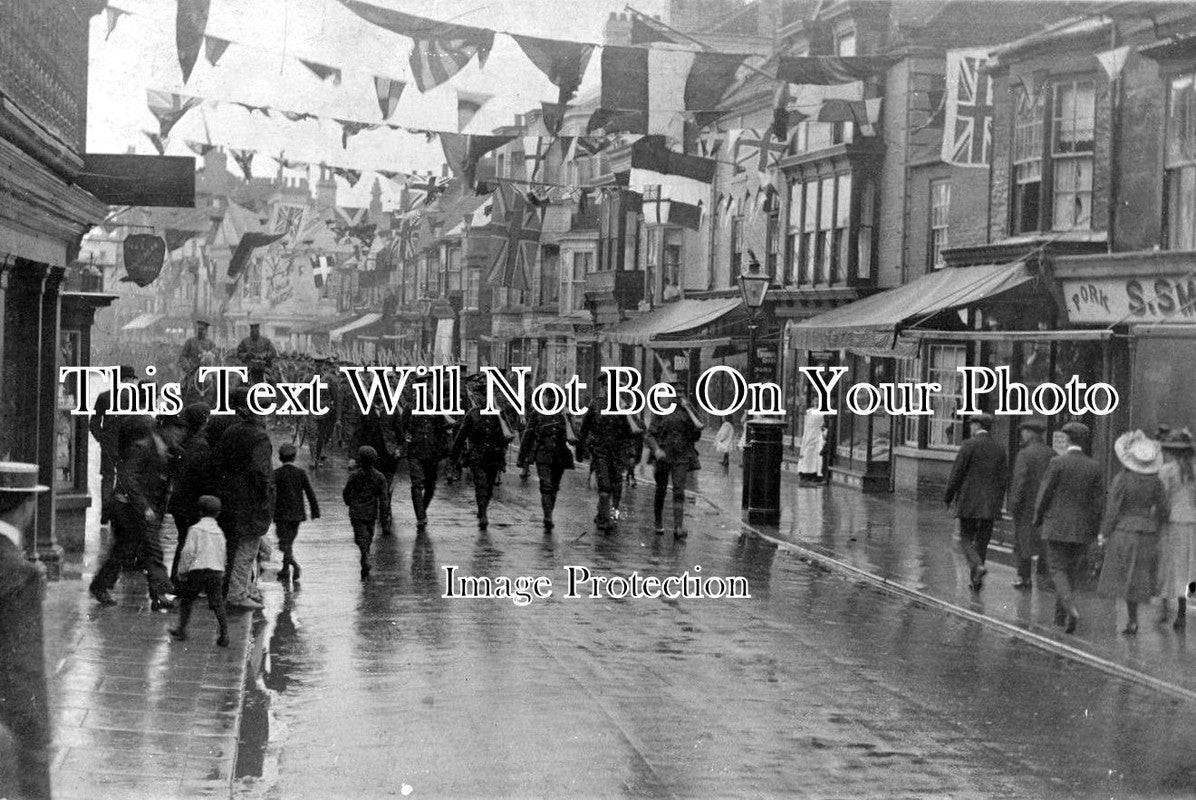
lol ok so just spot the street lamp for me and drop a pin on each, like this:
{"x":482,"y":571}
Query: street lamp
{"x":753,"y":285}
{"x":762,"y":459}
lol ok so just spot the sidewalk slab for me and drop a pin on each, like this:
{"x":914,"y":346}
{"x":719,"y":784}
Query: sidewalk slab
{"x":913,"y":545}
{"x":134,"y":713}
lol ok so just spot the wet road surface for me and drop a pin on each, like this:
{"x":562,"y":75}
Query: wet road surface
{"x":813,"y":687}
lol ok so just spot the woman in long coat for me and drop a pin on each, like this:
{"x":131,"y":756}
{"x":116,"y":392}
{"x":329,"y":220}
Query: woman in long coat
{"x":1177,"y":562}
{"x":1134,"y":515}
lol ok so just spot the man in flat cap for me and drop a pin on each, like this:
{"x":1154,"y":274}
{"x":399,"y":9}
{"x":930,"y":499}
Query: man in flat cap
{"x":24,"y":708}
{"x":194,"y":348}
{"x":977,"y":488}
{"x":1028,"y":469}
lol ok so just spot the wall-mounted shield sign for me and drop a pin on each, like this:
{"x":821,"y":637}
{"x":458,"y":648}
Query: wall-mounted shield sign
{"x":143,"y":254}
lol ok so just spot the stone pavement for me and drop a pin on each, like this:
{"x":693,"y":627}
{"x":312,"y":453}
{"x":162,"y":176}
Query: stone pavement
{"x":911,"y":547}
{"x":134,"y":714}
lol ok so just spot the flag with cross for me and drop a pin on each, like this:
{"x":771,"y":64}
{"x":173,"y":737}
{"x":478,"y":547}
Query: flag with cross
{"x":968,"y":126}
{"x":516,"y":228}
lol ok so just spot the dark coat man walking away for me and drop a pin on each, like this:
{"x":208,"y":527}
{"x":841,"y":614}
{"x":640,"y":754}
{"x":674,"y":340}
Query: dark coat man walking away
{"x":244,"y":457}
{"x":1028,"y":468}
{"x":546,"y":444}
{"x":423,"y":438}
{"x":371,"y":432}
{"x":671,"y":441}
{"x":977,"y":487}
{"x":24,"y":705}
{"x":364,"y":494}
{"x":1068,"y":513}
{"x":191,"y":476}
{"x":605,"y":438}
{"x":139,"y":501}
{"x":291,"y":486}
{"x":483,"y":438}
{"x":105,"y":428}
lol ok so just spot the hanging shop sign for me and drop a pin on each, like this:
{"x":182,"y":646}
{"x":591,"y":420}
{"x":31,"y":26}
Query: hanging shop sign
{"x":143,"y":256}
{"x":1112,"y":301}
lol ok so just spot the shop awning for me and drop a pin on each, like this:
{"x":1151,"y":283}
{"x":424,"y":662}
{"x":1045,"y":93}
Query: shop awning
{"x":360,"y":322}
{"x":326,"y":325}
{"x":872,"y":323}
{"x":141,"y":322}
{"x":671,"y":319}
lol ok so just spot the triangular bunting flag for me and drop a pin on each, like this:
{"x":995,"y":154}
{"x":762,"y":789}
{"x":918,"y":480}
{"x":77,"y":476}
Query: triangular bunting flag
{"x":350,"y":129}
{"x":191,"y":19}
{"x":244,"y":159}
{"x":553,"y":115}
{"x":388,"y":91}
{"x":157,"y":141}
{"x":200,"y":149}
{"x":564,"y":63}
{"x":463,"y":151}
{"x":112,"y":16}
{"x":468,"y":105}
{"x":440,"y":49}
{"x":169,"y":108}
{"x":249,"y":242}
{"x":298,"y":116}
{"x":287,"y":163}
{"x":213,"y":48}
{"x":352,"y":176}
{"x":323,"y":71}
{"x":263,"y":110}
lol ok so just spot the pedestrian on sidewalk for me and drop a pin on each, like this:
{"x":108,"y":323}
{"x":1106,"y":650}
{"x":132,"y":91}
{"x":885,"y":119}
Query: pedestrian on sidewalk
{"x":365,"y":494}
{"x":24,"y":704}
{"x":672,"y":440}
{"x":546,"y":444}
{"x":812,"y":448}
{"x":1177,"y":559}
{"x":105,"y":428}
{"x":977,"y":487}
{"x":291,"y":486}
{"x":201,"y":570}
{"x":1136,"y":512}
{"x":1068,"y":513}
{"x":191,"y":476}
{"x":1028,"y":468}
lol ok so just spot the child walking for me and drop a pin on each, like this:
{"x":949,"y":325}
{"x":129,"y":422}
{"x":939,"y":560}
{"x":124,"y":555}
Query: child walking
{"x":201,"y":570}
{"x":291,"y":485}
{"x":366,"y":495}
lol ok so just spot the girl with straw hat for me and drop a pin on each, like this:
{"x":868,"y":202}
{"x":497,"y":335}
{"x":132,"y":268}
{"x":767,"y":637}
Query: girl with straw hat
{"x":1177,"y":556}
{"x":1134,"y":514}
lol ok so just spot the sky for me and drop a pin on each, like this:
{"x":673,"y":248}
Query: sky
{"x":260,"y":67}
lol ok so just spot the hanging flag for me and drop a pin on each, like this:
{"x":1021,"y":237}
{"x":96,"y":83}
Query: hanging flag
{"x":753,"y":149}
{"x":651,"y":153}
{"x":249,"y":242}
{"x":535,"y":148}
{"x":645,"y":30}
{"x":191,"y":19}
{"x":830,"y":70}
{"x":463,"y":151}
{"x":564,"y":63}
{"x":553,"y":115}
{"x":428,"y":189}
{"x":780,"y":112}
{"x":388,"y":91}
{"x":575,"y":147}
{"x":298,"y":116}
{"x":440,"y":49}
{"x":157,"y":141}
{"x":350,"y":129}
{"x":1114,"y":60}
{"x":468,"y":105}
{"x":244,"y":159}
{"x":321,"y":269}
{"x":650,"y":86}
{"x":352,"y":176}
{"x":200,"y":149}
{"x":608,"y":121}
{"x":839,"y":110}
{"x":393,"y":175}
{"x":112,"y":16}
{"x":664,"y":211}
{"x":967,"y":128}
{"x":287,"y":163}
{"x":709,"y":78}
{"x":169,"y":108}
{"x":625,"y":87}
{"x":323,"y":71}
{"x":517,"y":230}
{"x":214,"y":48}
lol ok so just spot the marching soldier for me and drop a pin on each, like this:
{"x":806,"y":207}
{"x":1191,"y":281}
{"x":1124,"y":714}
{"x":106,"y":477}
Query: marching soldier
{"x":194,"y":348}
{"x":546,"y":444}
{"x":485,"y":438}
{"x":326,"y":423}
{"x":424,"y":438}
{"x":257,"y":352}
{"x":671,"y":440}
{"x":606,"y":437}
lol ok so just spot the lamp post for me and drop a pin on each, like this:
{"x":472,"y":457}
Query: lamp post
{"x":762,"y":460}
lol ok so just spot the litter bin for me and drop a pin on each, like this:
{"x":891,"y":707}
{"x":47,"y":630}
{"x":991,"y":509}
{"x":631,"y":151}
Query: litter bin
{"x":762,"y":470}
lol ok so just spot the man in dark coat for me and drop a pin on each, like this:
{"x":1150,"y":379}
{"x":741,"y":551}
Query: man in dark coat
{"x":423,"y":437}
{"x":977,"y":487}
{"x":1068,"y":512}
{"x":257,"y":353}
{"x":24,"y":707}
{"x":244,"y":458}
{"x":672,"y":440}
{"x":546,"y":443}
{"x":291,"y":486}
{"x":191,"y":476}
{"x":483,"y":439}
{"x":105,"y":428}
{"x":1028,"y":469}
{"x":605,"y":438}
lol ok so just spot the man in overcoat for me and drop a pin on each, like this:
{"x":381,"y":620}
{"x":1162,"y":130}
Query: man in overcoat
{"x":546,"y":444}
{"x":1028,"y":468}
{"x":605,"y":439}
{"x":977,"y":488}
{"x":24,"y":707}
{"x":1068,"y":512}
{"x":105,"y":428}
{"x":423,"y":438}
{"x":482,"y":439}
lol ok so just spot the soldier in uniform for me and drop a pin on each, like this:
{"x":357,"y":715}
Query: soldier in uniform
{"x":257,"y":352}
{"x":484,"y":439}
{"x":671,"y":439}
{"x":194,"y":348}
{"x":546,"y":443}
{"x":326,"y":423}
{"x":606,"y":438}
{"x":423,"y":440}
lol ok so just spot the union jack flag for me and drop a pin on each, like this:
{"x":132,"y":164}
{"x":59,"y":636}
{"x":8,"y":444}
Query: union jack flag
{"x":517,"y":229}
{"x":968,"y":127}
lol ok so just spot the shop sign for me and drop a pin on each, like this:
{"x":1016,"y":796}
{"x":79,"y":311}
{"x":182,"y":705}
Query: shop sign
{"x":1115,"y":301}
{"x":143,"y":256}
{"x":764,"y":366}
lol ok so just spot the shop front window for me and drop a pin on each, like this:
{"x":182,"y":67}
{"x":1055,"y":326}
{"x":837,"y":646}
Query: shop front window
{"x":909,"y":371}
{"x":945,"y":427}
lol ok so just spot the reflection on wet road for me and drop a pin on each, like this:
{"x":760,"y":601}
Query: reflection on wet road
{"x":813,"y":687}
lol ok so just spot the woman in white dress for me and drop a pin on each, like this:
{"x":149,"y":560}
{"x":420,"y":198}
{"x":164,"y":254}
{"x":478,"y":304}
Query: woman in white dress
{"x":1177,"y":563}
{"x":813,"y":439}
